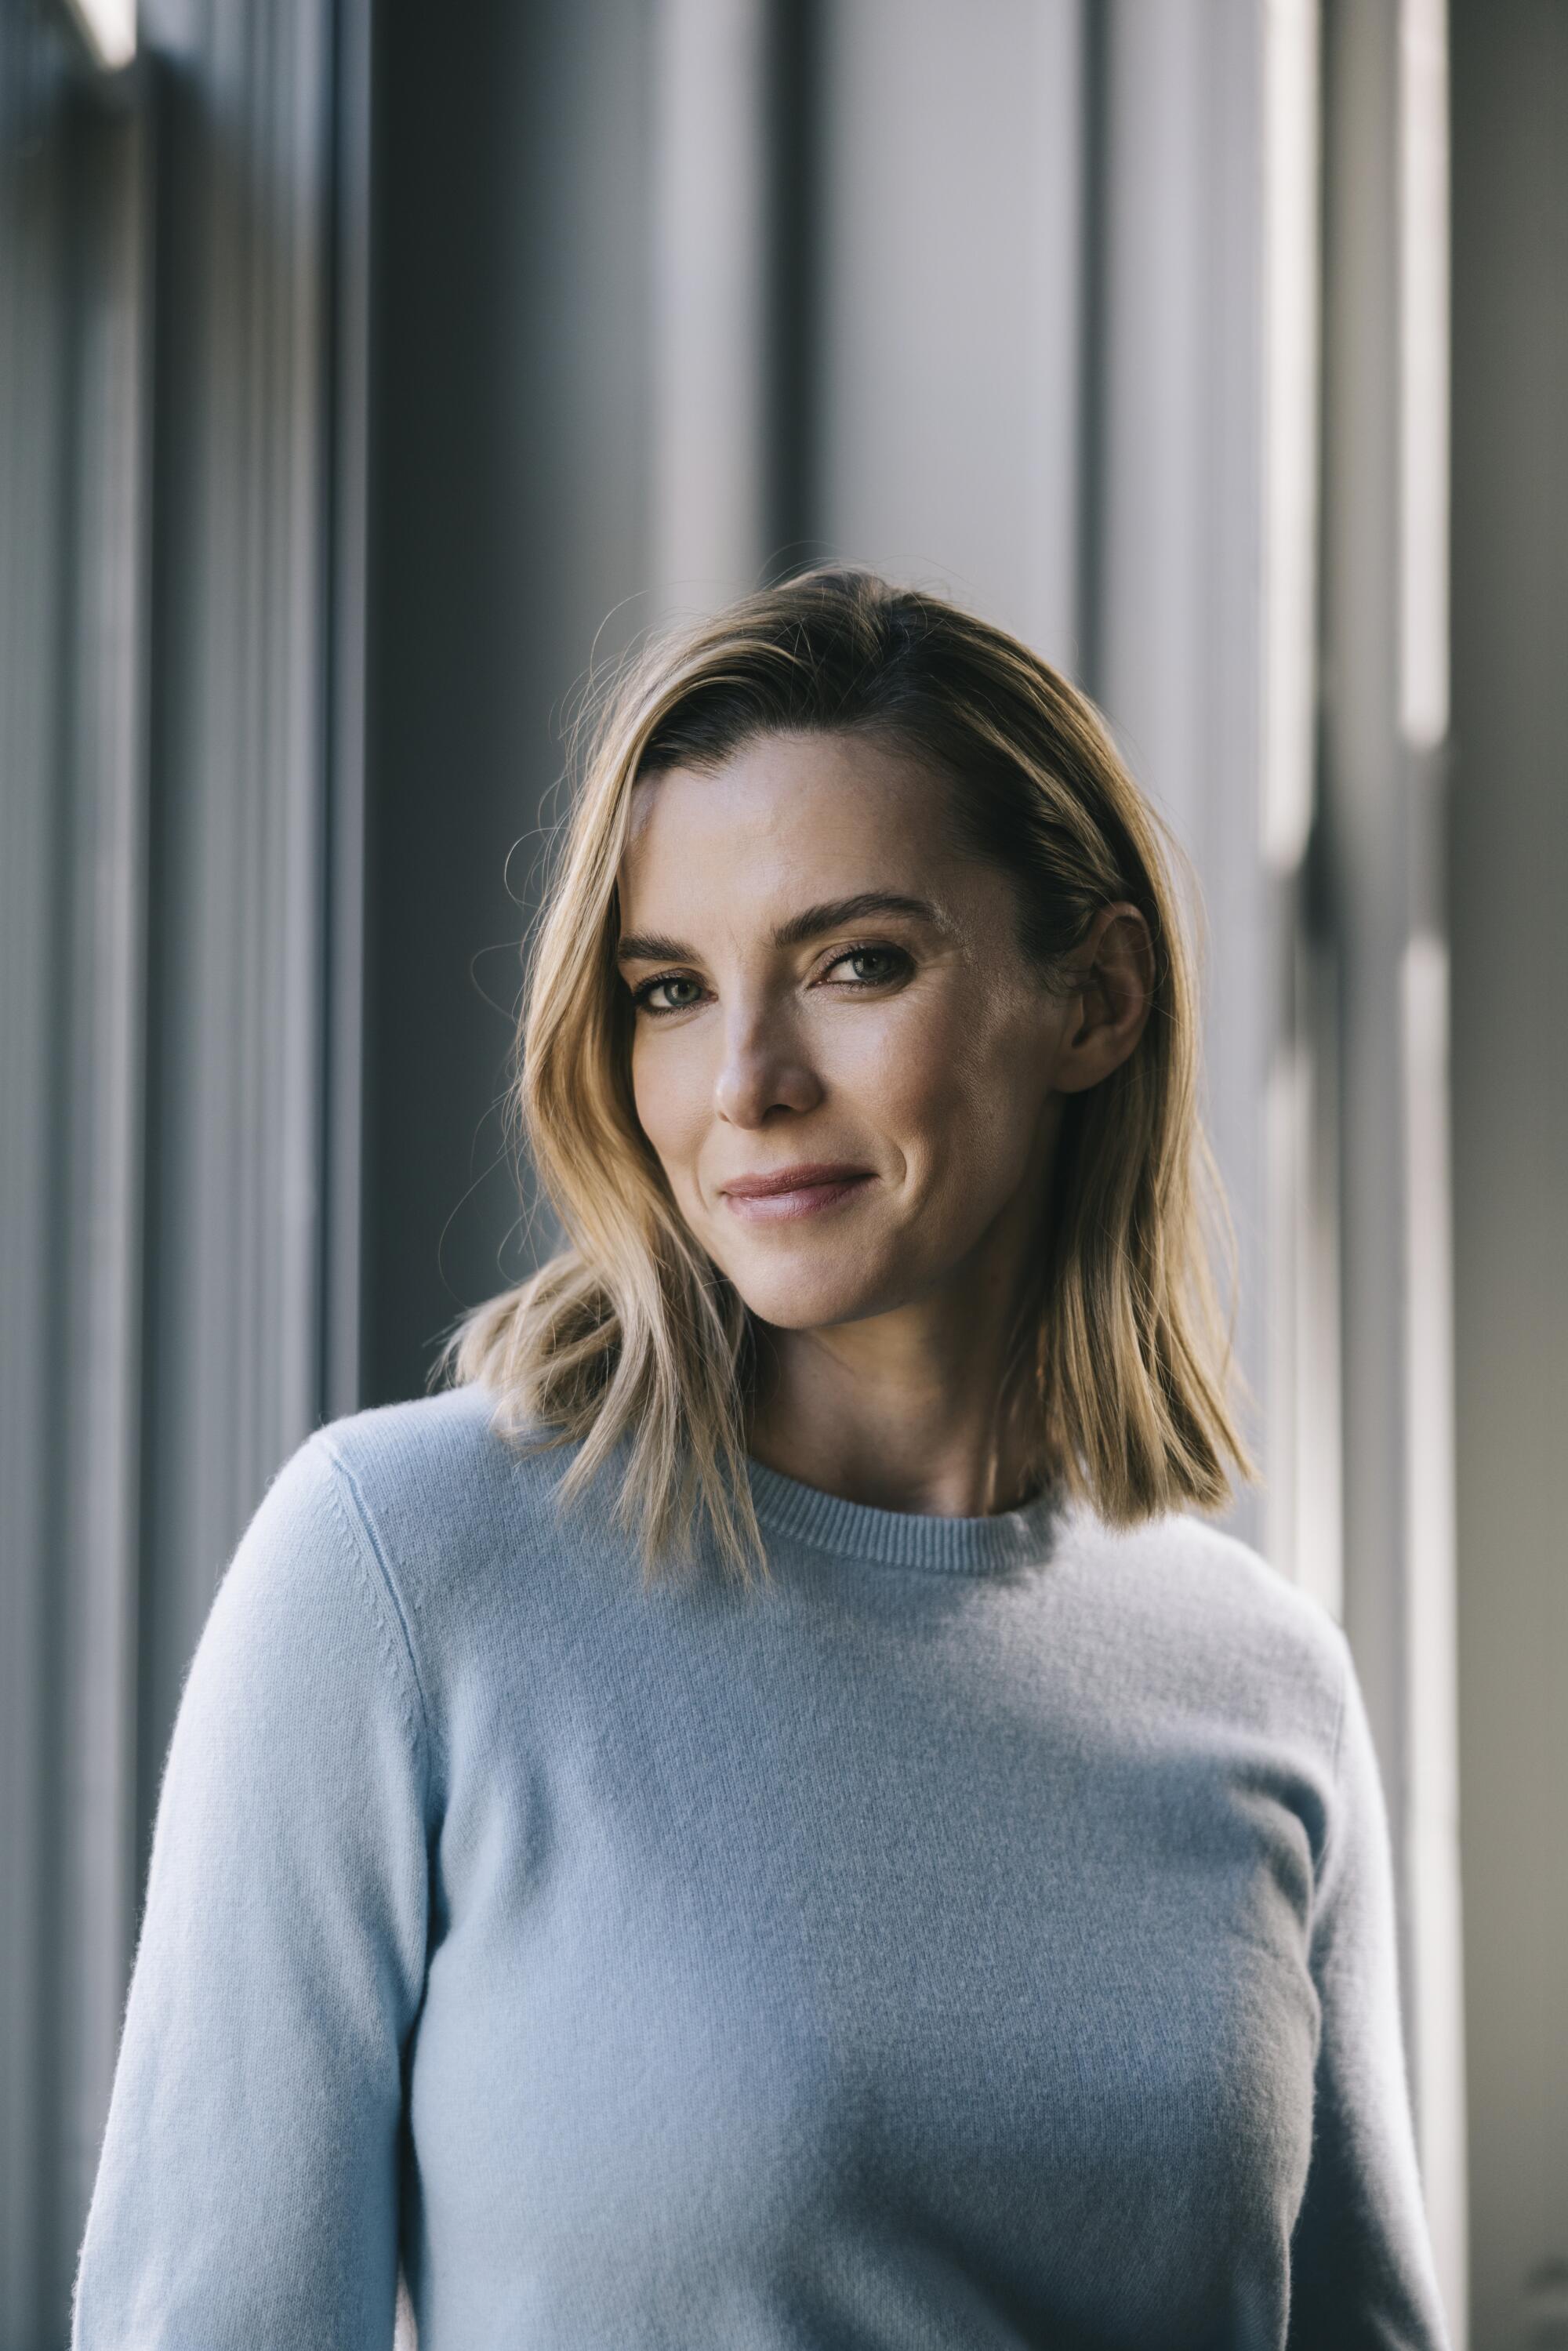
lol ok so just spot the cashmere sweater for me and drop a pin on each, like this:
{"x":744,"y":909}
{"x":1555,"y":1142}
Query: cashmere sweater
{"x":980,"y":1933}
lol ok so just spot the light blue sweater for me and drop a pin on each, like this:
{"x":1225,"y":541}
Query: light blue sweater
{"x":981,"y":1936}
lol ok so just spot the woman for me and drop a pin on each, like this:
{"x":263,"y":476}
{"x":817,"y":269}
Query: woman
{"x":856,"y":1861}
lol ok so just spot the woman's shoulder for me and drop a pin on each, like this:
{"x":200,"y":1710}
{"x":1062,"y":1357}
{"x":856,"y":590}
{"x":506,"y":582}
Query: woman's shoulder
{"x":1210,"y":1611}
{"x":454,"y":1509}
{"x":438,"y":1476}
{"x":441,"y":1443}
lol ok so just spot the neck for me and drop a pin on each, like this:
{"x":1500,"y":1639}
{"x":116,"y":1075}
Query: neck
{"x":913,"y":1410}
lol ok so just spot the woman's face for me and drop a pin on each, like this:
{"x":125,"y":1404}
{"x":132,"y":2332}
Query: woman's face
{"x":823,"y":984}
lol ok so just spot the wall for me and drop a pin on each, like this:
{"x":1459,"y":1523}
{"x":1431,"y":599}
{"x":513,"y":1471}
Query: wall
{"x":1509,"y":864}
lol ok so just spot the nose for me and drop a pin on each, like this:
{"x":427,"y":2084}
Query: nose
{"x":763,"y":1069}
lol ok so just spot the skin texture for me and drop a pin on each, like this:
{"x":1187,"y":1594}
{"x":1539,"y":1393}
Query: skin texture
{"x":933,"y":1057}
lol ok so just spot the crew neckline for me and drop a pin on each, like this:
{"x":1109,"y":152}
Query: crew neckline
{"x":919,"y":1538}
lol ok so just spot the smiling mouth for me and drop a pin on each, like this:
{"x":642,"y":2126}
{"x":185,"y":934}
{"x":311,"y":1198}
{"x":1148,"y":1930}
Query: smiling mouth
{"x":804,"y":1199}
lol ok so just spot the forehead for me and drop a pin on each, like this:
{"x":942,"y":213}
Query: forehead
{"x":786,"y":812}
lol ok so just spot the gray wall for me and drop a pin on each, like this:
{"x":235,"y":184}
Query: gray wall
{"x":72,"y":965}
{"x":1508,"y":864}
{"x":509,"y":468}
{"x":169,"y":487}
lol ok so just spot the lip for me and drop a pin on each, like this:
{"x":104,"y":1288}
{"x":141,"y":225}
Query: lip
{"x":799,"y":1191}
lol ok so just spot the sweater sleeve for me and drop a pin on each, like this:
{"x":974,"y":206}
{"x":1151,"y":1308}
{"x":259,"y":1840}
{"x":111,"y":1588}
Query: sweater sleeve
{"x":1361,"y":2272}
{"x":246,"y":2190}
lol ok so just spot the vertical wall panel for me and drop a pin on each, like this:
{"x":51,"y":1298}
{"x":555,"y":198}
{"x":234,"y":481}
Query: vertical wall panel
{"x":98,"y":1264}
{"x":709,"y":156}
{"x":1303,"y":1513}
{"x":164,"y":568}
{"x":1383,"y":783}
{"x":34,"y":621}
{"x":347,"y":536}
{"x":1508,"y":837}
{"x":949,"y":380}
{"x":1178,"y":634}
{"x":73,"y":224}
{"x":239,"y":801}
{"x":511,"y":492}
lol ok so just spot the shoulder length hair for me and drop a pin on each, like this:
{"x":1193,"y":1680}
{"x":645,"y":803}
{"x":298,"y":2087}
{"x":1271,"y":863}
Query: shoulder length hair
{"x":629,"y":1341}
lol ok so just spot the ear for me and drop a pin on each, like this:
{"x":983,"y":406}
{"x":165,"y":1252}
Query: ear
{"x":1105,"y":1018}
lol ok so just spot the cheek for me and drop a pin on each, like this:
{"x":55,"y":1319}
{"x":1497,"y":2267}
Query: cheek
{"x":961,"y":1097}
{"x":934,"y":1071}
{"x":669,"y":1090}
{"x":909,"y":1083}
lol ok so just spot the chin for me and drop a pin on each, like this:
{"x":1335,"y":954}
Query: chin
{"x":810,"y":1297}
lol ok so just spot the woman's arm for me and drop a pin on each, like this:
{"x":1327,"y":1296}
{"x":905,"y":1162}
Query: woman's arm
{"x":1362,"y":2273}
{"x":247,"y":2189}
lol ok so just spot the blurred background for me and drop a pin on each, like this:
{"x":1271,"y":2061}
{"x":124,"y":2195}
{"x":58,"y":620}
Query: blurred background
{"x":369,"y":372}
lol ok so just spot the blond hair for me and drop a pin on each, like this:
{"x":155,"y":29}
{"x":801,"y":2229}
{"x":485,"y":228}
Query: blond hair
{"x":629,"y":1339}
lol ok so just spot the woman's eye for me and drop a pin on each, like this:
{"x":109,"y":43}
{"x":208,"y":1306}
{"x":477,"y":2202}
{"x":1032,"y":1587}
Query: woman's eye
{"x":644,"y":996}
{"x":886,"y":964}
{"x":869,"y":968}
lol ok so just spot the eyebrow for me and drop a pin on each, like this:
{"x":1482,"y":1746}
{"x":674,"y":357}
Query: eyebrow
{"x":832,"y":914}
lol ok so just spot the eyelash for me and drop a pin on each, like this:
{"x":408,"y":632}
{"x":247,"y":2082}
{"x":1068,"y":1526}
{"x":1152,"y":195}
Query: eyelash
{"x":641,"y":995}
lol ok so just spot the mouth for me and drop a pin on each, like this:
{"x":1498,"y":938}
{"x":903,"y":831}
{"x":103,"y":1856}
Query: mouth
{"x":793,"y":1192}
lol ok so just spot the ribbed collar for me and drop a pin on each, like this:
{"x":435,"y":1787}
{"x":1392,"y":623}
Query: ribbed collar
{"x":1009,"y":1539}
